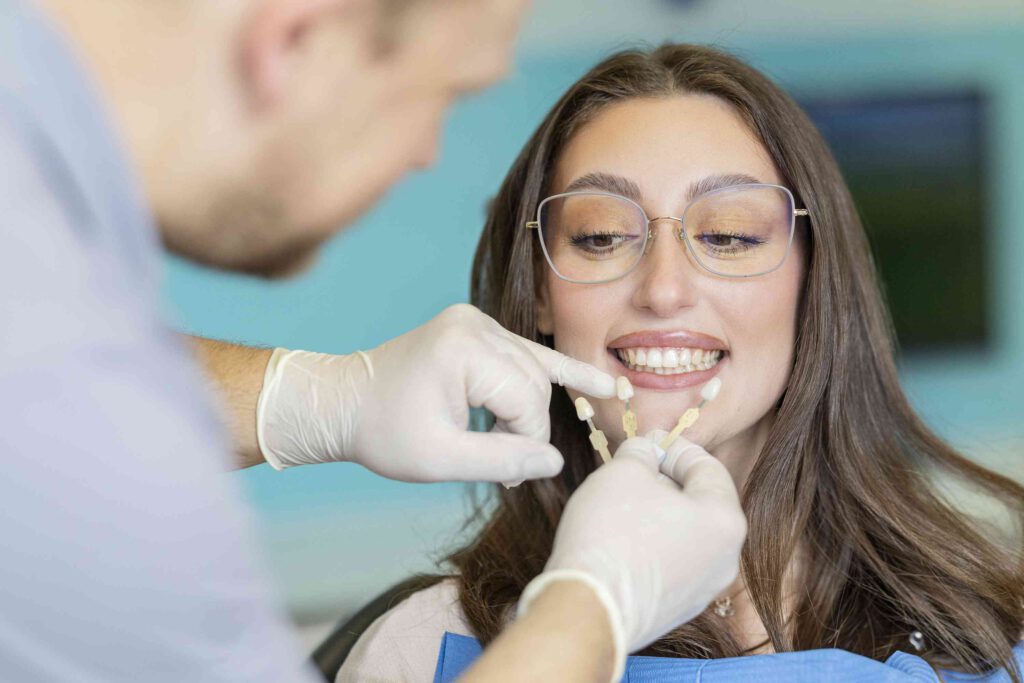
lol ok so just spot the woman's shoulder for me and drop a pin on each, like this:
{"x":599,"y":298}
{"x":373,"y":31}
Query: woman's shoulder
{"x":403,"y":643}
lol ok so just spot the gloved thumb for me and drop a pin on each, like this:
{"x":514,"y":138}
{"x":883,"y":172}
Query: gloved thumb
{"x":698,"y":472}
{"x":640,"y":449}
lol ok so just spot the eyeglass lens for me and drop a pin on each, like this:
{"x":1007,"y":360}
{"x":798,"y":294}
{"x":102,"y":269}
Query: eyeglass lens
{"x":735,"y":232}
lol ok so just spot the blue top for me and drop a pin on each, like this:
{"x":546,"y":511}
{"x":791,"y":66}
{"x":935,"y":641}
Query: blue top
{"x":813,"y":666}
{"x":127,"y":553}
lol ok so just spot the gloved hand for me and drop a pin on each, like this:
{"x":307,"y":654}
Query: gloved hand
{"x":656,"y":550}
{"x":402,"y":409}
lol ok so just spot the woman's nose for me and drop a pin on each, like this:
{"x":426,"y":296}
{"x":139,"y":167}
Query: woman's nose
{"x":666,"y":274}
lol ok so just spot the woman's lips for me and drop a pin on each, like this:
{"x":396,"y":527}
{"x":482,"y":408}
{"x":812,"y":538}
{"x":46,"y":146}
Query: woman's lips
{"x":650,"y":380}
{"x":677,"y":342}
{"x":666,"y":338}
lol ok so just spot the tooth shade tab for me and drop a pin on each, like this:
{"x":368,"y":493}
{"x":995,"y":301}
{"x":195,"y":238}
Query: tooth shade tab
{"x":584,"y":410}
{"x":710,"y":390}
{"x":623,"y":389}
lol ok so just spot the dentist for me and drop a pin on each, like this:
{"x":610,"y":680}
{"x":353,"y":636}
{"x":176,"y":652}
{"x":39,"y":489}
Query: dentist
{"x":240,"y":135}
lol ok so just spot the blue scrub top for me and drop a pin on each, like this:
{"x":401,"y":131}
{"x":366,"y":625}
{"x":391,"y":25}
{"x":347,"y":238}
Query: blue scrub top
{"x":127,"y":553}
{"x":814,"y":666}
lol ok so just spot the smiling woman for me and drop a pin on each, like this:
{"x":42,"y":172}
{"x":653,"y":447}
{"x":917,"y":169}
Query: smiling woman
{"x":675,"y":218}
{"x":686,"y":291}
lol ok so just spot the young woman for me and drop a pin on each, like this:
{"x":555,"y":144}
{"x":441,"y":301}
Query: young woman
{"x":676,"y":217}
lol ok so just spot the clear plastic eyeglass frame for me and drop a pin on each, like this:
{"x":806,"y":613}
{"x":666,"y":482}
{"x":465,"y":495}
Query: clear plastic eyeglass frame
{"x":681,"y":235}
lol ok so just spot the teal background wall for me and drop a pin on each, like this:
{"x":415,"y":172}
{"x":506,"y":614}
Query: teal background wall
{"x":335,"y":534}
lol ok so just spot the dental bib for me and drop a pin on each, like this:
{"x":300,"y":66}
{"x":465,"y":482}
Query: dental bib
{"x":458,"y":652}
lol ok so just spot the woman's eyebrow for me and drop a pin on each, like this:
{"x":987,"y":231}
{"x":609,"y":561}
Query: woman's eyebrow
{"x":616,"y":184}
{"x":718,"y":181}
{"x":606,"y":182}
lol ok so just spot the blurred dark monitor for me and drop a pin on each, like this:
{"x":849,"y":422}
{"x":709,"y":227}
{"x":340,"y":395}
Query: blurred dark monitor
{"x":916,"y":167}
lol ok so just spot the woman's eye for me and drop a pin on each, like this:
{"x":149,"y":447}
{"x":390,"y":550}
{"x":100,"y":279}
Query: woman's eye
{"x":599,"y":242}
{"x":602,"y":241}
{"x":719,"y":240}
{"x":729,"y":241}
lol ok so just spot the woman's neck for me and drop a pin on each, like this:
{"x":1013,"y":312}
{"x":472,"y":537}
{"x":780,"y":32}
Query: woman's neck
{"x":739,"y":454}
{"x":745,"y":623}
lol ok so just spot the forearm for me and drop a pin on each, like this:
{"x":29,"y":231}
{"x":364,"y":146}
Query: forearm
{"x":236,"y":374}
{"x":565,"y":636}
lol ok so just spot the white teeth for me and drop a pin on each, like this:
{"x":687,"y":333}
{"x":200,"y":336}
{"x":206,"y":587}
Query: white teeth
{"x":669,"y":361}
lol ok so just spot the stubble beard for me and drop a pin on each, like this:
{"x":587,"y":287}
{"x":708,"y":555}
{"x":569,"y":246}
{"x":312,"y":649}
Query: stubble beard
{"x":246,"y":232}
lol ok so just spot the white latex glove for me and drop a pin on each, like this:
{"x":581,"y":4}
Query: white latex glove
{"x":402,"y":409}
{"x":656,"y":550}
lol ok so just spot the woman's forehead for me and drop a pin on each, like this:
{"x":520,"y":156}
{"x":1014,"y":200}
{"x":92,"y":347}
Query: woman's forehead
{"x":653,"y":146}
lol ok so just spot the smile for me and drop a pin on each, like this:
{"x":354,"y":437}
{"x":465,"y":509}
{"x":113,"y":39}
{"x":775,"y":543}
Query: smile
{"x":667,"y":360}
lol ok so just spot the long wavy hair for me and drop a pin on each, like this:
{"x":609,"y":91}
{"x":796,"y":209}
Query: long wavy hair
{"x":848,"y":473}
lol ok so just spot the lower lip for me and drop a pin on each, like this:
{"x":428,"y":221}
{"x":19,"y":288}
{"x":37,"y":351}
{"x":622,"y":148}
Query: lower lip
{"x":650,"y":380}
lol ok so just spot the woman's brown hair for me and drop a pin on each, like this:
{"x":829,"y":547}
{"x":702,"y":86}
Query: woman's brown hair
{"x":848,"y":472}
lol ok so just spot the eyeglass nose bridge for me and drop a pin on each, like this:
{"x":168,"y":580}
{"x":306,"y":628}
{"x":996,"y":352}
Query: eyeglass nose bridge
{"x":652,"y":234}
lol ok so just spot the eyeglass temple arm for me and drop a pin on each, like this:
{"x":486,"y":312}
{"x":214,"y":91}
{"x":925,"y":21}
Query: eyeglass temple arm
{"x":800,"y":212}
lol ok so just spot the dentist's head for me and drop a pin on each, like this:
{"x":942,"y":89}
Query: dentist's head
{"x":261,"y":127}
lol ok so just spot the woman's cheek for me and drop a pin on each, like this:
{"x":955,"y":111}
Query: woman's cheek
{"x":578,"y":334}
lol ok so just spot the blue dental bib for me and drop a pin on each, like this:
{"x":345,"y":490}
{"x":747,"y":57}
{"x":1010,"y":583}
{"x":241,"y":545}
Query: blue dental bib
{"x":458,"y":652}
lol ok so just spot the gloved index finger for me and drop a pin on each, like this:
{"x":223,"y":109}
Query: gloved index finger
{"x":569,"y":372}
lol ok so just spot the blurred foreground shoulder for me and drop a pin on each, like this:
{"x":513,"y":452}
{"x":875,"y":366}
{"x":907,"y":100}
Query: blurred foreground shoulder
{"x":403,"y":644}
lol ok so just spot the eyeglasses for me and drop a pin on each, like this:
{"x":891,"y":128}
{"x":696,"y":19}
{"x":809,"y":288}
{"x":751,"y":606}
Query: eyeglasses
{"x":736,"y":231}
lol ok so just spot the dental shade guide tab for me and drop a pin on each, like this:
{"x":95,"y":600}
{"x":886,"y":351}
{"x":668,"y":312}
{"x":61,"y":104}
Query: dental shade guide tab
{"x":624,"y":390}
{"x":710,"y":390}
{"x":686,"y":420}
{"x":600,"y":443}
{"x":585,"y":412}
{"x":707,"y":393}
{"x":629,"y":424}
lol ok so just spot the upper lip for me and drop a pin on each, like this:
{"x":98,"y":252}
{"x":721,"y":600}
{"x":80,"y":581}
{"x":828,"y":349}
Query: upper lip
{"x":680,"y":339}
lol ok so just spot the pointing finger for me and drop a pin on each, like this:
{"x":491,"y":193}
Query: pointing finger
{"x":571,"y":373}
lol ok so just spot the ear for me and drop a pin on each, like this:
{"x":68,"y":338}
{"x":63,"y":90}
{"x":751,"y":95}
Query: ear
{"x":273,"y":32}
{"x":542,"y":308}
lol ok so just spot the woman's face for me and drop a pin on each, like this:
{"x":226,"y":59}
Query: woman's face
{"x":665,"y":147}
